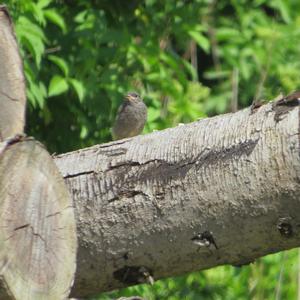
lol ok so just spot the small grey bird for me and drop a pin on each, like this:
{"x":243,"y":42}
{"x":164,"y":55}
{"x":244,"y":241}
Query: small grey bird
{"x":131,"y":117}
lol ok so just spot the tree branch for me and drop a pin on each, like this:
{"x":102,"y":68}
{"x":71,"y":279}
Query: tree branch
{"x":223,"y":190}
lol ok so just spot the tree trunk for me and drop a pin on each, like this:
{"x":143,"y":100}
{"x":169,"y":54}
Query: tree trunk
{"x":12,"y":82}
{"x":38,"y":233}
{"x":223,"y":190}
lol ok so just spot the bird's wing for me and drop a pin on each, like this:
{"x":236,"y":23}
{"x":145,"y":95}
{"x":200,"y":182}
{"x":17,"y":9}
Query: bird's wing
{"x":122,"y":108}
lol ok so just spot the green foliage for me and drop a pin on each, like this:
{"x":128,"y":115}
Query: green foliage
{"x":270,"y":276}
{"x":80,"y":57}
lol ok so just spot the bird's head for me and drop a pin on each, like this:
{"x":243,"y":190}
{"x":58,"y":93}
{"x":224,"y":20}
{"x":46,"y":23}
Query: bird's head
{"x":133,"y":97}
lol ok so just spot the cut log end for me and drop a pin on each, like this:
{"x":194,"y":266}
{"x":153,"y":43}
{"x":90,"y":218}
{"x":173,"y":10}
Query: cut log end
{"x":37,"y":225}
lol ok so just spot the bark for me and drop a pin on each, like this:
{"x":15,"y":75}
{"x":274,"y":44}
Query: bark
{"x":223,"y":190}
{"x":12,"y":83}
{"x":38,"y":231}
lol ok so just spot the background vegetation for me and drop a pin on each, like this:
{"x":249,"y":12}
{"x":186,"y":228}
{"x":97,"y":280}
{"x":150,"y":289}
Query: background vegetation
{"x":188,"y":59}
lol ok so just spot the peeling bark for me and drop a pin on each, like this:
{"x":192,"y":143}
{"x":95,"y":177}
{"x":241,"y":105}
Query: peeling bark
{"x":223,"y":190}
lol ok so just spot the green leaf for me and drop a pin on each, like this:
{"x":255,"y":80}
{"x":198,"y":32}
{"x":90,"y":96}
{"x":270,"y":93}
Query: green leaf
{"x":225,"y":33}
{"x":200,"y":39}
{"x":39,"y":92}
{"x":78,"y":87}
{"x":35,"y":46}
{"x":213,"y":75}
{"x":190,"y":69}
{"x":36,"y":93}
{"x":32,"y":36}
{"x":80,"y":18}
{"x":284,"y":10}
{"x":58,"y":85}
{"x":25,"y":24}
{"x":43,"y":3}
{"x":53,"y":16}
{"x":153,"y":114}
{"x":38,"y":13}
{"x":84,"y":132}
{"x":61,"y":63}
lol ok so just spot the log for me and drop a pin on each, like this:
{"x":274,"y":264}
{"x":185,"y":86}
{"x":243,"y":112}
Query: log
{"x":223,"y":190}
{"x":12,"y":82}
{"x":38,"y":233}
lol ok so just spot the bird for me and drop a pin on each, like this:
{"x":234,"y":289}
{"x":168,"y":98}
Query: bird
{"x":131,"y":117}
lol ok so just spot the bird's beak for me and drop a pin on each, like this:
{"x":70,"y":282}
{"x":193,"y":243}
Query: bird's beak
{"x":129,"y":98}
